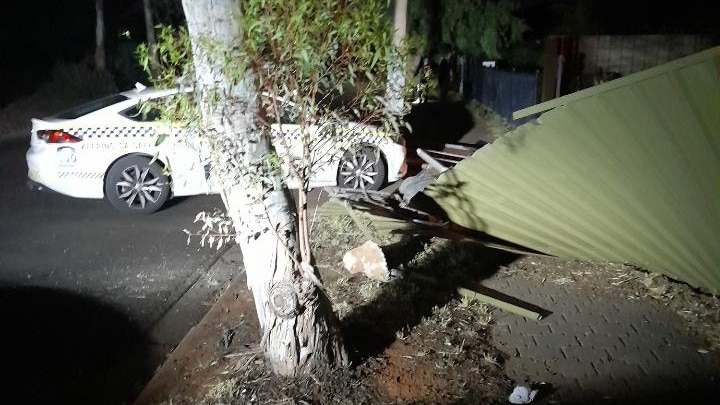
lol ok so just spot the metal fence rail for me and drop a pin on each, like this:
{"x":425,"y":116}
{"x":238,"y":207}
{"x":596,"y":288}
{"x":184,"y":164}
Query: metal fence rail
{"x":504,"y":91}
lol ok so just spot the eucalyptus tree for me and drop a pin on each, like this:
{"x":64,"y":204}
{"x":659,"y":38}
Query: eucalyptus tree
{"x":480,"y":27}
{"x":252,"y":63}
{"x":472,"y":27}
{"x":100,"y":62}
{"x":394,"y":92}
{"x":150,"y":32}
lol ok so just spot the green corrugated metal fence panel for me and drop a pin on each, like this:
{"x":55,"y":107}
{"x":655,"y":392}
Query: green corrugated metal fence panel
{"x":627,"y":171}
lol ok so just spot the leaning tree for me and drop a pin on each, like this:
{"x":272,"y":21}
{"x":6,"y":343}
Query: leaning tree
{"x":323,"y":62}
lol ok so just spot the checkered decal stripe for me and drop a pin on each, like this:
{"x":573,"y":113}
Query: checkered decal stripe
{"x":112,"y":132}
{"x":80,"y":175}
{"x":353,"y":137}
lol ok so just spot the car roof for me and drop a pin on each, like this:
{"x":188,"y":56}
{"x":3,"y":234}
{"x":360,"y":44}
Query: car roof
{"x":144,"y":93}
{"x":140,"y":93}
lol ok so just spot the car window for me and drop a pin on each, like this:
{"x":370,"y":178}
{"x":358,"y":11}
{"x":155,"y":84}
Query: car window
{"x":91,"y":106}
{"x":136,"y":114}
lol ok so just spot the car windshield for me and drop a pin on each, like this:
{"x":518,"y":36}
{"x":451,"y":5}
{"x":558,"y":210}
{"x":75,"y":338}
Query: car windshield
{"x":89,"y":107}
{"x":136,"y":113}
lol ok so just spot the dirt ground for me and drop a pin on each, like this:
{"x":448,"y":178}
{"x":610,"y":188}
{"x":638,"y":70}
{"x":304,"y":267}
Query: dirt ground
{"x":410,"y":342}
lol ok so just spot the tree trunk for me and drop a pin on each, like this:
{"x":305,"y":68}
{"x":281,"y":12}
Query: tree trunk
{"x":150,"y":33}
{"x":399,"y":21}
{"x":396,"y":74}
{"x":99,"y":35}
{"x":299,"y":329}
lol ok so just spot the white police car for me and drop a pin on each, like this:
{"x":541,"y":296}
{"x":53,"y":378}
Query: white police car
{"x":108,"y":149}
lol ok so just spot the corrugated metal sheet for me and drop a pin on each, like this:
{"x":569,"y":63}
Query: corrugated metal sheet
{"x":627,"y":171}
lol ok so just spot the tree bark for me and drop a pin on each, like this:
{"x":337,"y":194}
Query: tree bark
{"x":100,"y":63}
{"x":299,"y":329}
{"x":150,"y":34}
{"x":396,"y":74}
{"x":399,"y":21}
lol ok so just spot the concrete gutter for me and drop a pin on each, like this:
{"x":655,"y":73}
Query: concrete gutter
{"x":201,"y":309}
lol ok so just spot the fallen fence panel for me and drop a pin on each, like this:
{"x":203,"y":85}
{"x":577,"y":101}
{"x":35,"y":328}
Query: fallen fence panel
{"x":627,"y":171}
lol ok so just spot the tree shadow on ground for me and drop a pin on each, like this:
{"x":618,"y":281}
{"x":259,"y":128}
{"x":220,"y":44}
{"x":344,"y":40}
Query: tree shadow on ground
{"x":62,"y":348}
{"x":402,"y":304}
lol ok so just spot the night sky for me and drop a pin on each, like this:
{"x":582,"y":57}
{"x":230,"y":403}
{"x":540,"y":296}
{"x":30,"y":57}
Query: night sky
{"x":35,"y":34}
{"x":622,"y":17}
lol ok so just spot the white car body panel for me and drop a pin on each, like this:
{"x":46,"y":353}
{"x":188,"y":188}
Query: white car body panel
{"x":78,"y":169}
{"x":326,"y":152}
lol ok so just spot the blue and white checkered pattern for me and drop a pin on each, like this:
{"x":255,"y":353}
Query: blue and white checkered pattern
{"x":112,"y":132}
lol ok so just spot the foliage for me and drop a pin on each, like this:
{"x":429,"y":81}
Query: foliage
{"x":319,"y":64}
{"x":173,"y":52}
{"x":419,"y":23}
{"x":524,"y":55}
{"x":480,"y":27}
{"x":473,"y":27}
{"x":326,"y":61}
{"x":216,"y":229}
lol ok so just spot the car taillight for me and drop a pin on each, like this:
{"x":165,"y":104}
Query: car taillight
{"x":54,"y":136}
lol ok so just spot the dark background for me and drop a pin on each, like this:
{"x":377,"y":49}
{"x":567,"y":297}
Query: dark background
{"x":37,"y":34}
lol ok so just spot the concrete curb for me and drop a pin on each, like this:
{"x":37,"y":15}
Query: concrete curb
{"x":212,"y":290}
{"x":183,"y":314}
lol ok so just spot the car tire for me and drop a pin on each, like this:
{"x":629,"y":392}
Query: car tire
{"x":362,"y":168}
{"x":136,"y":185}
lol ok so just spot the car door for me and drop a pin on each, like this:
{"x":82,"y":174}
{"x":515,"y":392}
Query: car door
{"x":180,"y":149}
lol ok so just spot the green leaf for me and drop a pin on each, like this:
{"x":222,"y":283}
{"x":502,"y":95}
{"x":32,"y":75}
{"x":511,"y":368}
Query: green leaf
{"x":160,"y":139}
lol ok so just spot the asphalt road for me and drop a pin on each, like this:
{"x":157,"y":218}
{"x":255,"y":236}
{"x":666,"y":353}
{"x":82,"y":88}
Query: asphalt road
{"x":85,"y":292}
{"x":82,"y":287}
{"x":138,"y":266}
